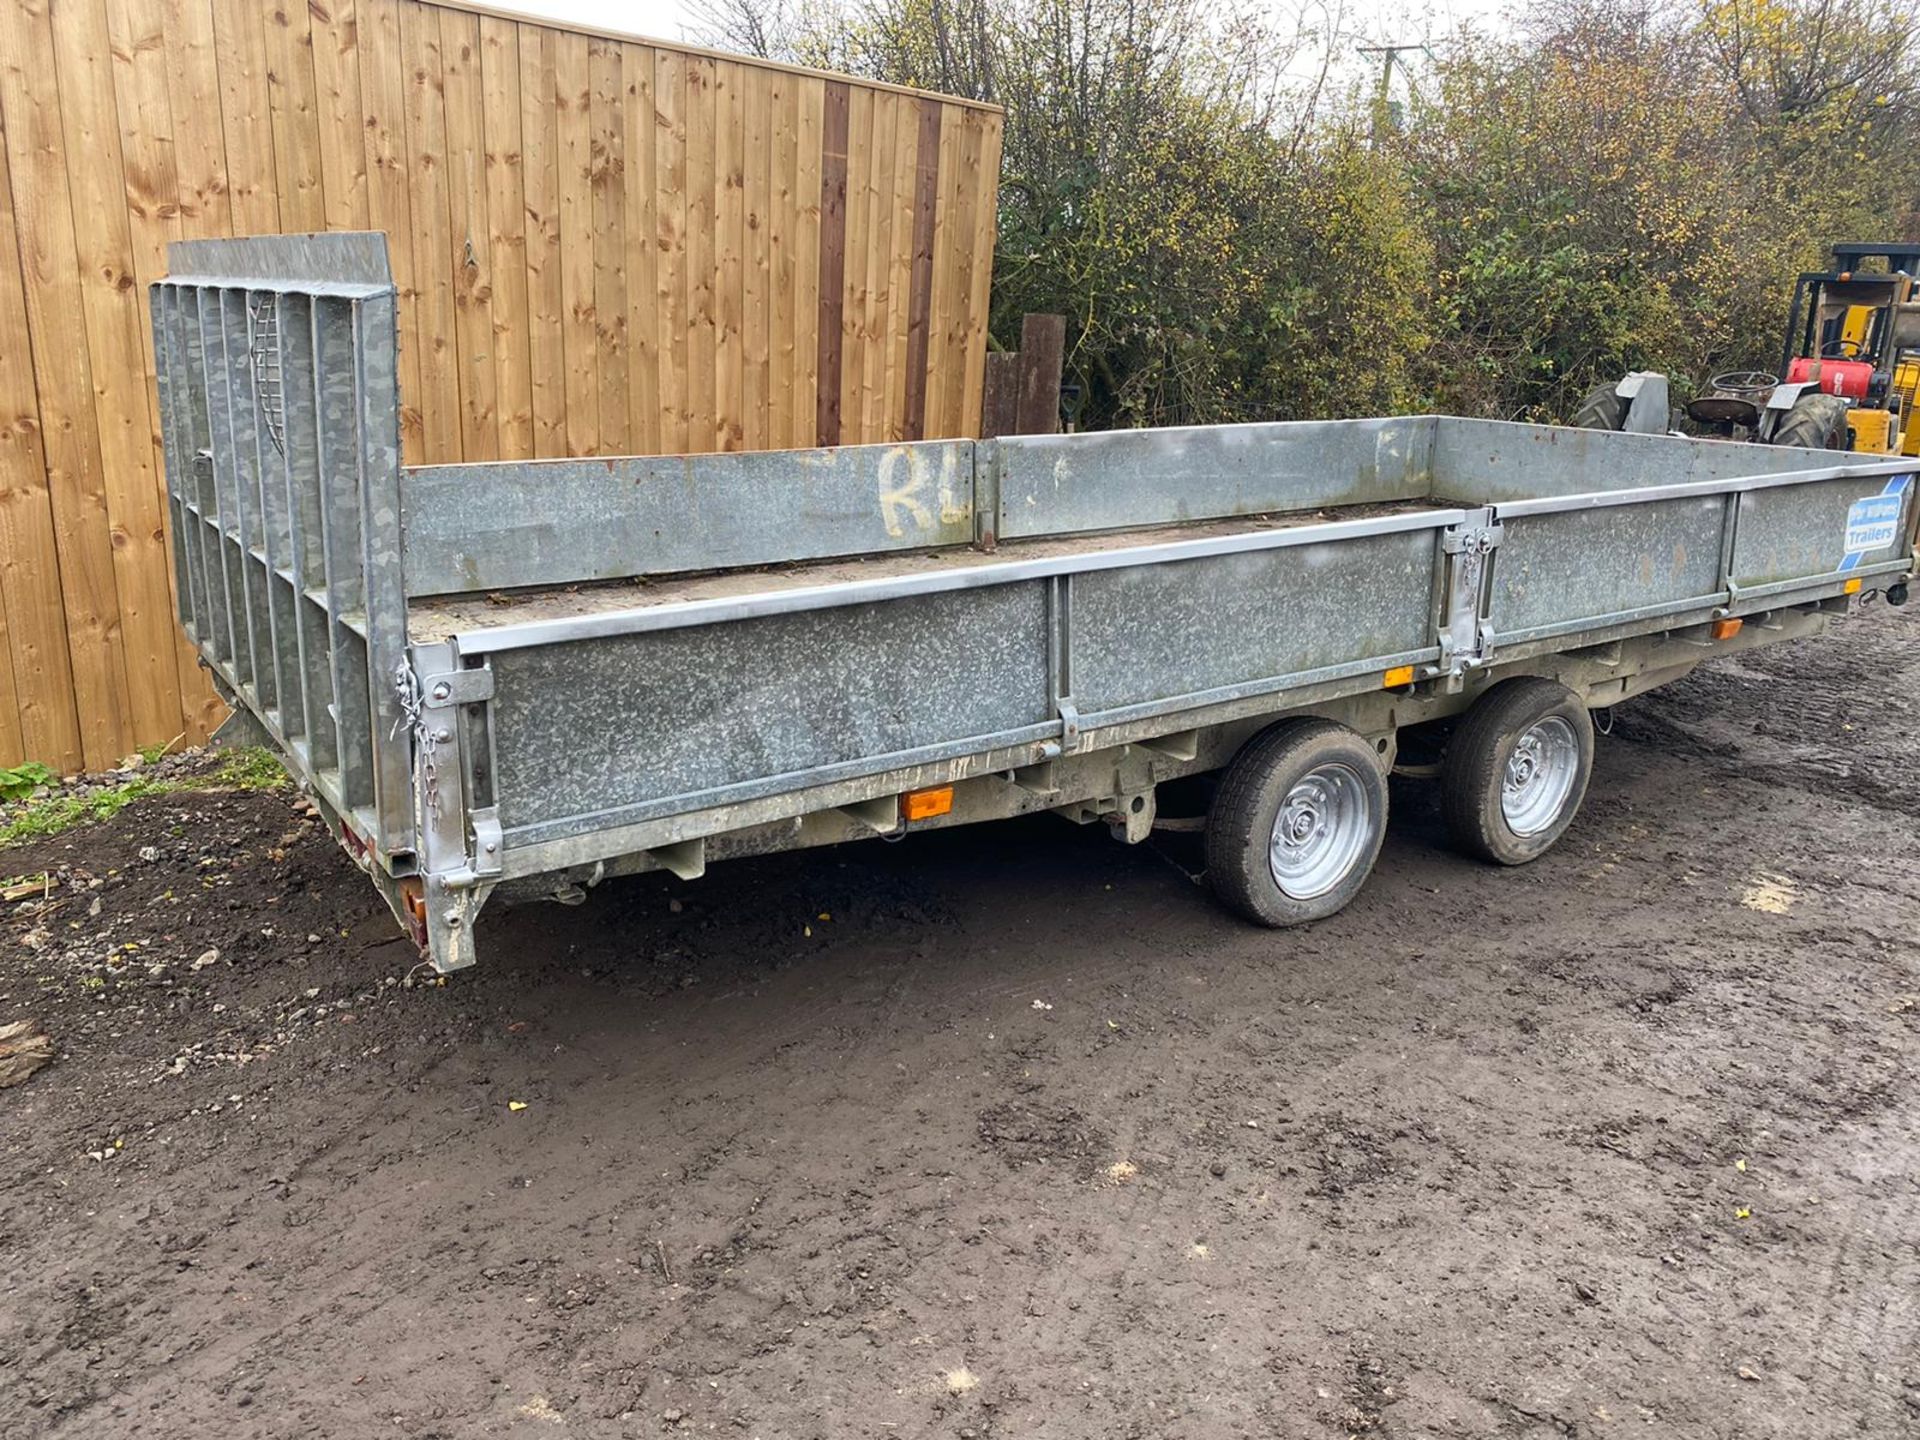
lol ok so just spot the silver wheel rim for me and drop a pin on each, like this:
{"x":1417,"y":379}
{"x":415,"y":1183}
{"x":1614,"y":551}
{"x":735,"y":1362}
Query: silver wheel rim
{"x":1541,"y":769}
{"x":1322,"y":830}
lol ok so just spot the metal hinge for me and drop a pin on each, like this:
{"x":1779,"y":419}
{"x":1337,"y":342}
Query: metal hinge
{"x":1472,"y":538}
{"x":456,"y":687}
{"x":1069,"y":723}
{"x":486,"y":842}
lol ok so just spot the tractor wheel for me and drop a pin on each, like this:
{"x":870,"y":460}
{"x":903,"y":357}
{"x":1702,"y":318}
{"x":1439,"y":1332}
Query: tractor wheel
{"x":1602,"y":409}
{"x":1816,"y":422}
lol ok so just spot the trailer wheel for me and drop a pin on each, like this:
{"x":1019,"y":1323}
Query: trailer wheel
{"x":1297,"y":823}
{"x":1516,"y":770}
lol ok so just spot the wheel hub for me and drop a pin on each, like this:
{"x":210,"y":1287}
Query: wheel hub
{"x":1541,"y":769}
{"x":1321,"y":831}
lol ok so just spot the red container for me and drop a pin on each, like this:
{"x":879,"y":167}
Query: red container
{"x":1848,"y":379}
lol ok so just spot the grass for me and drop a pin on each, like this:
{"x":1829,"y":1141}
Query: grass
{"x":246,"y":770}
{"x":252,"y":769}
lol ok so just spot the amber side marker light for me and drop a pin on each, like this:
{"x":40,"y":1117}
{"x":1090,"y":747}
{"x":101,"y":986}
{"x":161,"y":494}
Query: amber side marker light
{"x":1727,"y":629}
{"x":1396,"y":677}
{"x":925,"y":804}
{"x":1852,"y":587}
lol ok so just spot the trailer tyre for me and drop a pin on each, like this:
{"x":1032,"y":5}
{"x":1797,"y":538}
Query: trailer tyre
{"x":1516,"y":770}
{"x":1296,"y":823}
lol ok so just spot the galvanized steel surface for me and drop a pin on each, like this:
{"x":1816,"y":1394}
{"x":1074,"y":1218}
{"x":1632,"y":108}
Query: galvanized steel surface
{"x":568,"y":521}
{"x":1050,"y":484}
{"x":595,"y":727}
{"x":1157,"y":632}
{"x":281,"y":431}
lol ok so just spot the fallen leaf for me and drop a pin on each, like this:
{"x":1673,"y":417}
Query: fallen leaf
{"x":1770,"y":894}
{"x":1746,"y":1373}
{"x":516,"y":1104}
{"x":1741,"y":1166}
{"x":1743,"y":1213}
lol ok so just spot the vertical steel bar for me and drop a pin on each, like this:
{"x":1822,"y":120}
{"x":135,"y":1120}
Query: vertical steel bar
{"x":276,"y":528}
{"x":244,"y":415}
{"x":218,"y":442}
{"x":376,"y":352}
{"x":180,"y":522}
{"x":339,"y":515}
{"x":301,"y":479}
{"x":190,"y":414}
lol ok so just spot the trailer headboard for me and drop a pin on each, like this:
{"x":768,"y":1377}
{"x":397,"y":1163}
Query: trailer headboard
{"x":275,"y":358}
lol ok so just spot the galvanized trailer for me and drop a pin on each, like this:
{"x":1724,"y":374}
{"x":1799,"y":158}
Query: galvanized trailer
{"x":523,"y":677}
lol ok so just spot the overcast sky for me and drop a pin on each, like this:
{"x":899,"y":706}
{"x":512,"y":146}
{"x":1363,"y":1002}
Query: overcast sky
{"x":1400,"y":21}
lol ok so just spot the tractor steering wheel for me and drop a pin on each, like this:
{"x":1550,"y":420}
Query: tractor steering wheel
{"x":1841,"y":350}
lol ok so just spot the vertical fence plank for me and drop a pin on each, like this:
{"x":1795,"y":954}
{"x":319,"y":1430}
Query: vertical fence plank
{"x":945,"y":301}
{"x":1043,"y":340}
{"x":876,"y":322}
{"x":701,"y":175}
{"x":782,"y":163}
{"x":506,"y":232}
{"x":926,"y":199}
{"x":340,"y":114}
{"x":906,"y":143}
{"x":293,"y":108}
{"x":470,"y":236}
{"x":607,"y":164}
{"x":836,"y":126}
{"x":963,"y":201}
{"x":638,"y":230}
{"x":383,"y":91}
{"x":980,"y":282}
{"x":756,"y":265}
{"x":426,"y":171}
{"x":246,"y":116}
{"x":729,"y":247}
{"x":152,"y":189}
{"x":670,"y":244}
{"x":199,"y":147}
{"x":540,"y":176}
{"x":808,"y":190}
{"x":39,"y":721}
{"x":579,"y":332}
{"x":853,"y":283}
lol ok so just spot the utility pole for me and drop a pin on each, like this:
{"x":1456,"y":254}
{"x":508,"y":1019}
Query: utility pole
{"x":1383,"y":118}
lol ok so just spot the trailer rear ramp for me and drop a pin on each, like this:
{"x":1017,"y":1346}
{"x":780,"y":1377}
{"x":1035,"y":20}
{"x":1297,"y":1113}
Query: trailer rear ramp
{"x":521,"y":677}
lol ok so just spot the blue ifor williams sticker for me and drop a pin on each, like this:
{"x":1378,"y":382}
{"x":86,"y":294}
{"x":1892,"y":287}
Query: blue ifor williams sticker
{"x":1873,"y":523}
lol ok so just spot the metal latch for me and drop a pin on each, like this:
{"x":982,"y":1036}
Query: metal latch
{"x":1464,"y":635}
{"x":457,"y":687}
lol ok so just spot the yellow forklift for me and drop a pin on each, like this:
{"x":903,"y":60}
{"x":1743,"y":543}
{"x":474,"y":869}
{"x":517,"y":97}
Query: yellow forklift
{"x":1849,"y":376}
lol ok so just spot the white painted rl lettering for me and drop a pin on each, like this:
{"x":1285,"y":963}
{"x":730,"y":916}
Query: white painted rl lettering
{"x":898,"y":496}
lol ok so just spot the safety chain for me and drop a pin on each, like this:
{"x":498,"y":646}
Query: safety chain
{"x":413,"y":714}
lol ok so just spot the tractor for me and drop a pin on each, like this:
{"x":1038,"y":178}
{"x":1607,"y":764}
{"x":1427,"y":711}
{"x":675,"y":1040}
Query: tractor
{"x":1851,"y":367}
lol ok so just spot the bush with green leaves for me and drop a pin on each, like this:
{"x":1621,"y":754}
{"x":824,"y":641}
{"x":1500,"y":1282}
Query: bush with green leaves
{"x":1604,"y":185}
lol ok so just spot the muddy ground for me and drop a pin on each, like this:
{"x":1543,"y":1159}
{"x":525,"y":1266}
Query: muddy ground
{"x":1010,"y":1132}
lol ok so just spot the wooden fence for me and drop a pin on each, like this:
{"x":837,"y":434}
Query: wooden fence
{"x":602,"y":245}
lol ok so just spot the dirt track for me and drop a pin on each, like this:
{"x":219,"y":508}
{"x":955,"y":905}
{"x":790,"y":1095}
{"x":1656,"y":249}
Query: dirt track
{"x":1025,"y":1140}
